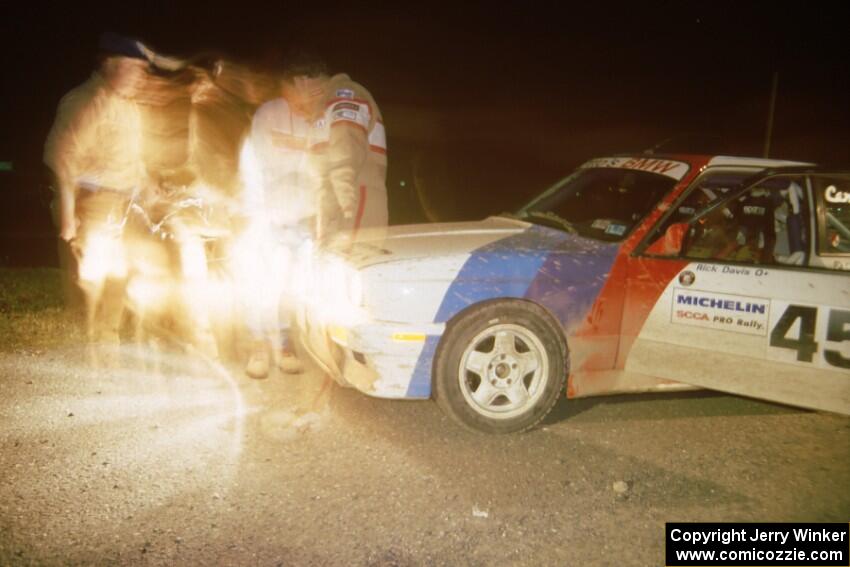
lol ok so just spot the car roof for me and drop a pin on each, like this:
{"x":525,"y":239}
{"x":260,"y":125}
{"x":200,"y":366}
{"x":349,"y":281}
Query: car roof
{"x":758,"y":162}
{"x":724,"y":160}
{"x":715,"y":160}
{"x":766,"y":167}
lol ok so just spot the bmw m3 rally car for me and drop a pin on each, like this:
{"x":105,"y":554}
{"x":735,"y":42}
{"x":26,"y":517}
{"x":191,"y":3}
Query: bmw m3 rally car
{"x":633,"y":274}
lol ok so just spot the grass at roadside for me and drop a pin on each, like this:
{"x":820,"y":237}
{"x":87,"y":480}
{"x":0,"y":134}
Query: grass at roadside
{"x":32,"y":316}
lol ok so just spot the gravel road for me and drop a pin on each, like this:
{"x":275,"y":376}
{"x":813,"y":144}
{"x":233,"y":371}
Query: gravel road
{"x":195,"y":465}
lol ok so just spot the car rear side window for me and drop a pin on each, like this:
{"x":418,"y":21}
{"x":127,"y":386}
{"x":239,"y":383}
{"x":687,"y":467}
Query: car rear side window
{"x":704,"y":192}
{"x":765,"y":225}
{"x":833,"y":193}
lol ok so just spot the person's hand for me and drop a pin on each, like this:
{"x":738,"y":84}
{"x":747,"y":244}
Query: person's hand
{"x":342,"y":240}
{"x":68,"y":231}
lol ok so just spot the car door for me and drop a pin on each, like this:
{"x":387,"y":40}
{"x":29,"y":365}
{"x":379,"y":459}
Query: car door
{"x":741,"y":304}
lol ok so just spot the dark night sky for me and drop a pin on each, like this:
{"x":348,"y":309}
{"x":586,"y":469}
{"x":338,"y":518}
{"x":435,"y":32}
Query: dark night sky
{"x":505,"y":100}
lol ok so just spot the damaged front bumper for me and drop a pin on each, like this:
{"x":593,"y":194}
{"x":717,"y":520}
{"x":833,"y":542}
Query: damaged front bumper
{"x":379,"y":358}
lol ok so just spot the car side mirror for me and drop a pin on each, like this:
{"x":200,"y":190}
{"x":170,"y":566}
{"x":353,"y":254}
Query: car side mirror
{"x":671,"y":243}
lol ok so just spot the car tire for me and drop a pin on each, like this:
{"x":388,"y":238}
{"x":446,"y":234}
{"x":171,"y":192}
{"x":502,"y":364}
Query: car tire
{"x":500,"y":367}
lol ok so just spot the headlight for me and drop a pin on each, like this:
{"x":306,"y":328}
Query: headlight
{"x":336,"y":290}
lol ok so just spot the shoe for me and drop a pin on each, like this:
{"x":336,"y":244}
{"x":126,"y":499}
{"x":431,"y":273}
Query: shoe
{"x":289,"y":363}
{"x":286,"y":359}
{"x":258,"y":364}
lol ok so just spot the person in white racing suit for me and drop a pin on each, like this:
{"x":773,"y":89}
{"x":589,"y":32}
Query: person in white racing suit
{"x":281,"y":197}
{"x":348,"y":147}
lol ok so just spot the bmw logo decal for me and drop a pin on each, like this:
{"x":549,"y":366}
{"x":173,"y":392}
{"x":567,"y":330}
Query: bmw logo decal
{"x":686,"y":278}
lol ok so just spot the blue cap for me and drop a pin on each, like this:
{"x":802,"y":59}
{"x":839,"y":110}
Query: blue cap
{"x":115,"y":44}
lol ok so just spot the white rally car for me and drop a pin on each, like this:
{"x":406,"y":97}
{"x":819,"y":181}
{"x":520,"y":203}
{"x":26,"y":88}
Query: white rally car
{"x":632,"y":274}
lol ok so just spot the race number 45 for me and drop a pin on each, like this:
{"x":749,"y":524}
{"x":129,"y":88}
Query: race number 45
{"x":809,"y":334}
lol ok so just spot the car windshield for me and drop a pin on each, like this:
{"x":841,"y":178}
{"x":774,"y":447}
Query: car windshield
{"x":600,"y":203}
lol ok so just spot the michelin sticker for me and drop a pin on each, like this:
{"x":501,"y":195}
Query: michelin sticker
{"x":720,"y":311}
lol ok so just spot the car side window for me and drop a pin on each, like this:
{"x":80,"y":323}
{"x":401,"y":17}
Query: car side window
{"x":764,"y":225}
{"x":703,"y":193}
{"x":833,"y":193}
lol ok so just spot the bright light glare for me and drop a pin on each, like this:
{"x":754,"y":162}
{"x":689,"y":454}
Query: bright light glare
{"x":102,"y":257}
{"x":337,"y":294}
{"x":146,"y":293}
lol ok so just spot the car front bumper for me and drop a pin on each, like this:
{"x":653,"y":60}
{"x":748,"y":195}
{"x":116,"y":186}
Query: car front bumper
{"x":379,"y":358}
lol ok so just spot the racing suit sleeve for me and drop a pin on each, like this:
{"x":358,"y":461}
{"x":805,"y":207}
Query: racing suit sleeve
{"x":73,"y":133}
{"x":348,"y":148}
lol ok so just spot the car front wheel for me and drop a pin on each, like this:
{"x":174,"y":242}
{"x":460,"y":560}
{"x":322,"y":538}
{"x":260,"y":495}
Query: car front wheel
{"x":500,"y":367}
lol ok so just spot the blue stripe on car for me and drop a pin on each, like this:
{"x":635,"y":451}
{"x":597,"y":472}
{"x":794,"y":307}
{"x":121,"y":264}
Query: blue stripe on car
{"x":562,"y":272}
{"x":504,"y":268}
{"x":571,"y":279}
{"x":420,"y":385}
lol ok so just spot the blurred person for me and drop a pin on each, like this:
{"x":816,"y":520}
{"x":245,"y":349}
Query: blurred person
{"x":281,"y":194}
{"x":348,"y":146}
{"x":224,"y":98}
{"x":94,"y":150}
{"x":193,"y":131}
{"x":315,"y":170}
{"x":172,"y":212}
{"x":195,"y":118}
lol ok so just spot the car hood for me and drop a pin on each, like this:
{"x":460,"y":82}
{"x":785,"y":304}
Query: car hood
{"x":449,"y":267}
{"x":439,"y":240}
